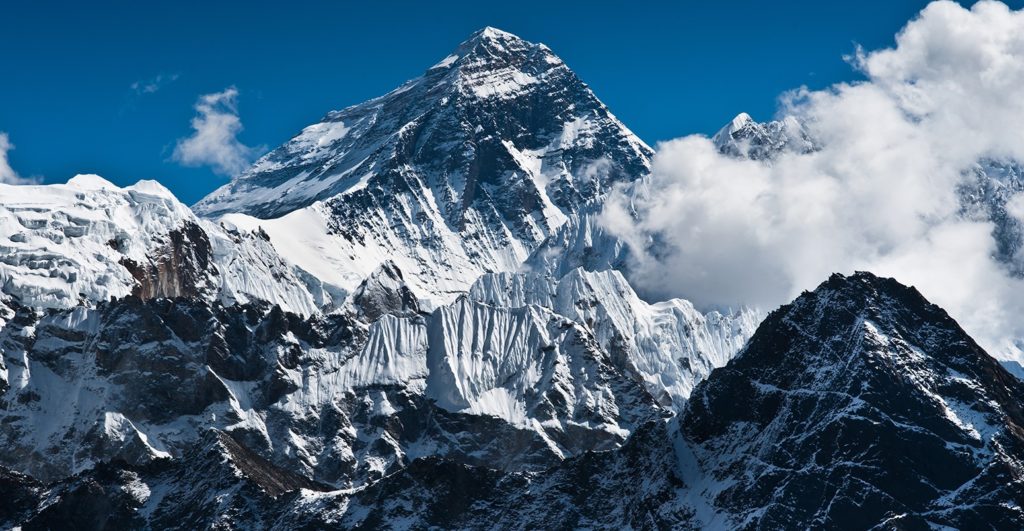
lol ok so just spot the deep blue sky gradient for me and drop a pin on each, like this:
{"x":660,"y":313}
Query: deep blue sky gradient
{"x":665,"y":69}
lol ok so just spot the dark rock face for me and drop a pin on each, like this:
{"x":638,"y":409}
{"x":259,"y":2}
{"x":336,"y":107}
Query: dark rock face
{"x":218,"y":484}
{"x":20,"y":495}
{"x":385,"y":292}
{"x":857,"y":404}
{"x":101,"y":499}
{"x":180,"y":269}
{"x":633,"y":487}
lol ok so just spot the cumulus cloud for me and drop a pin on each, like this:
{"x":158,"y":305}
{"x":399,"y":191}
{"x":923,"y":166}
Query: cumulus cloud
{"x":880,"y":193}
{"x":214,"y":140}
{"x":7,"y":173}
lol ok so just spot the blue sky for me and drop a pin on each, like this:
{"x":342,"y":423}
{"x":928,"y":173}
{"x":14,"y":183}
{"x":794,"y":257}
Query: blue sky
{"x":109,"y":88}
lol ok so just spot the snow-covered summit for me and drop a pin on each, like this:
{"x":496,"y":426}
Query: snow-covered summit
{"x":348,"y":148}
{"x":461,"y":171}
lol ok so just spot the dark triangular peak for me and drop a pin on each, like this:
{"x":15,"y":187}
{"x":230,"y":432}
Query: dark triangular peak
{"x":858,"y":403}
{"x":384,"y":292}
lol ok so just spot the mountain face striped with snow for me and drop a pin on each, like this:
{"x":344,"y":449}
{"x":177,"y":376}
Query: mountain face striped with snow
{"x":462,"y":171}
{"x":410,"y":315}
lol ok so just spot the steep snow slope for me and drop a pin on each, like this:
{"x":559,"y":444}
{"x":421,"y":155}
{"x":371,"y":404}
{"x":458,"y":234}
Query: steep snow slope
{"x":461,"y":171}
{"x":669,"y":344}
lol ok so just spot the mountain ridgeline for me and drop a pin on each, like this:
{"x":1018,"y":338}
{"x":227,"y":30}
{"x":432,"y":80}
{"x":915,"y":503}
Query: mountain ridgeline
{"x":411,"y":316}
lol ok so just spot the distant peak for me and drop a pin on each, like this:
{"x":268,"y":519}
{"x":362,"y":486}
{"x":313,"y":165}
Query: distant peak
{"x":739,"y":122}
{"x":724,"y":135}
{"x":741,"y":119}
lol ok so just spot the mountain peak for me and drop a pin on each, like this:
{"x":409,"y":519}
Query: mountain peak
{"x":498,"y":144}
{"x":746,"y":138}
{"x":495,"y":40}
{"x":490,"y":33}
{"x":861,"y":379}
{"x":497,"y":112}
{"x":494,"y":50}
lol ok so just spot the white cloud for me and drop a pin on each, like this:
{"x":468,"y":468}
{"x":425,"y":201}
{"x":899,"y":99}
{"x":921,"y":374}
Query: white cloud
{"x":214,"y":141}
{"x":149,"y":86}
{"x":7,"y":173}
{"x":880,"y":195}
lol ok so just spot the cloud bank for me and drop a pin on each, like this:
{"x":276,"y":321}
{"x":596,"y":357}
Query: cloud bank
{"x":214,"y":141}
{"x":7,"y":173}
{"x":881,"y":193}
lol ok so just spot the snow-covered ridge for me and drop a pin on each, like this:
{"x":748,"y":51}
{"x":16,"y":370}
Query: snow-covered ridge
{"x":87,"y":241}
{"x":64,"y":245}
{"x":670,"y":344}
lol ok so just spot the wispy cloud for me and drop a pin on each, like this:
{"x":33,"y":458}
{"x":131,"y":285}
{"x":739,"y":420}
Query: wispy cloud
{"x":882,"y":193}
{"x":214,"y":140}
{"x":149,"y":86}
{"x":7,"y":173}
